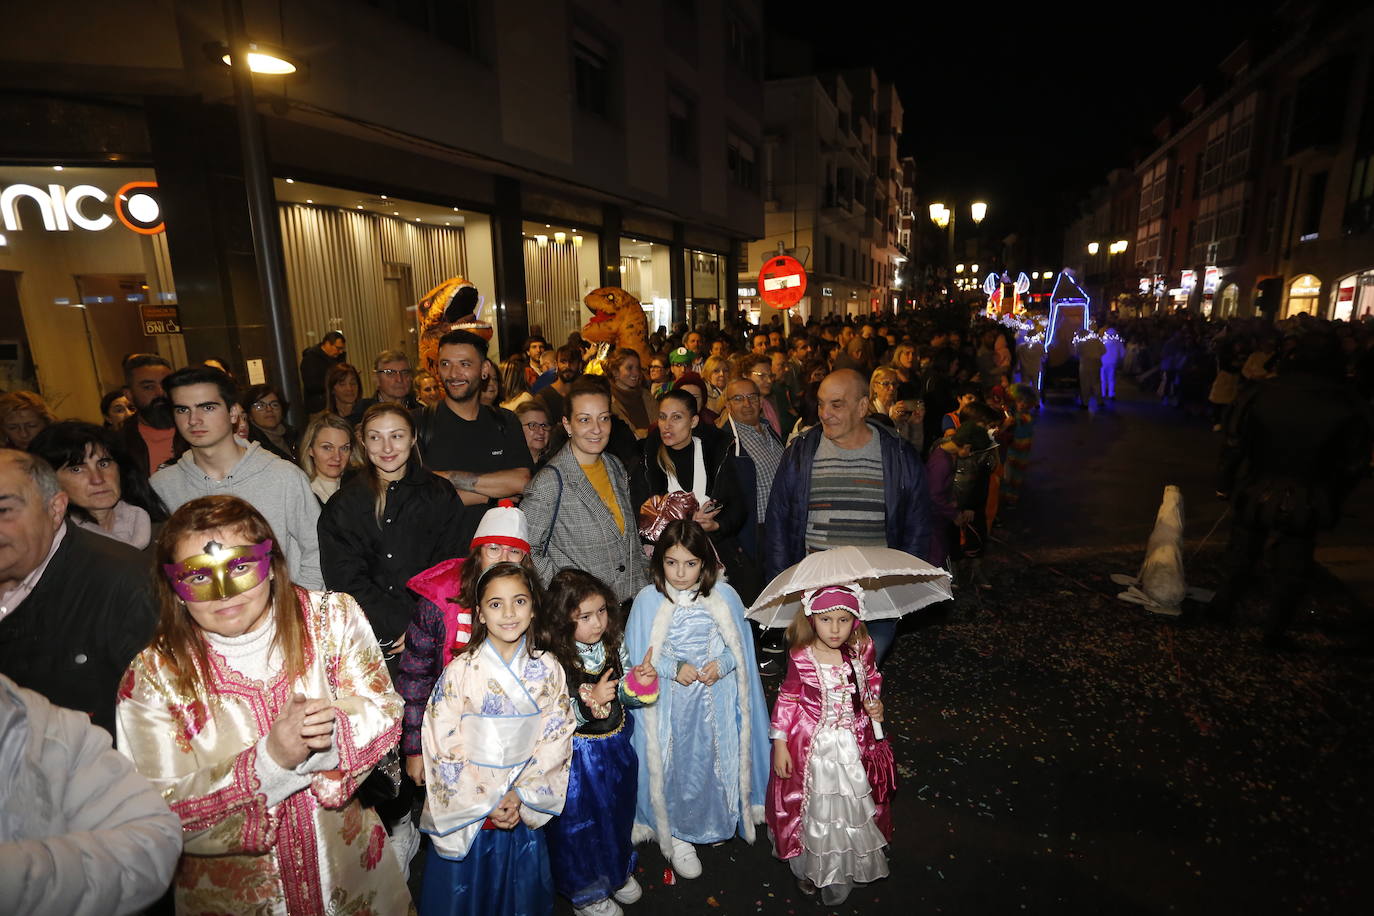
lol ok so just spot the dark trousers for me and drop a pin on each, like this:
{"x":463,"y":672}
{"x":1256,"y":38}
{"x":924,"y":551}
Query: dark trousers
{"x":1289,"y":562}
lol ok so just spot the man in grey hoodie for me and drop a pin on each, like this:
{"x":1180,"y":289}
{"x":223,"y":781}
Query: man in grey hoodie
{"x":205,"y":408}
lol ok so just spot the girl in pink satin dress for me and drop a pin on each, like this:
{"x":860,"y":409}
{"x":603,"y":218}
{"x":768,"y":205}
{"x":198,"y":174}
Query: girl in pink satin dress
{"x":828,"y":794}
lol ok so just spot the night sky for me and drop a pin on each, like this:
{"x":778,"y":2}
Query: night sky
{"x":1029,"y":105}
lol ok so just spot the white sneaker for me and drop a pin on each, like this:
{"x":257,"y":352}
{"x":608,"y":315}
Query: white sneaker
{"x":629,"y":892}
{"x":604,"y":907}
{"x":685,"y":861}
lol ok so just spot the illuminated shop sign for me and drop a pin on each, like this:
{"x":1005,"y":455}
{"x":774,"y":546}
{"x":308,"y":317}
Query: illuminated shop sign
{"x":61,"y":209}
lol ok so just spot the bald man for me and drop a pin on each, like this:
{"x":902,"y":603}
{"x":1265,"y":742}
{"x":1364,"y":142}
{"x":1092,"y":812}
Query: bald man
{"x":847,"y":482}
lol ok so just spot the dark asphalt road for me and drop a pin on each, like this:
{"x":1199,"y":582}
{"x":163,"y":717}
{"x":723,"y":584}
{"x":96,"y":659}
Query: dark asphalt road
{"x":1063,"y":752}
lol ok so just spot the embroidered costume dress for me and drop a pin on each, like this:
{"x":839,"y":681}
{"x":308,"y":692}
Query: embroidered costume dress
{"x":703,"y":751}
{"x":492,"y":727}
{"x":589,"y":843}
{"x":831,"y":818}
{"x":261,"y":839}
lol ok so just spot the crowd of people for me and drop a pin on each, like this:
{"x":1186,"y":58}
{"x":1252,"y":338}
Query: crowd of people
{"x":503,"y":606}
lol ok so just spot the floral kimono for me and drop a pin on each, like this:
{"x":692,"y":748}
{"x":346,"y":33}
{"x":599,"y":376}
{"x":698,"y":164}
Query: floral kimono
{"x":491,"y":727}
{"x":317,"y":851}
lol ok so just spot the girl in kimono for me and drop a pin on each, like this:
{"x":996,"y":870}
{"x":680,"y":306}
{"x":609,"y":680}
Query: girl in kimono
{"x":828,"y":797}
{"x":496,"y":738}
{"x":257,"y":711}
{"x":703,"y":748}
{"x":589,"y":843}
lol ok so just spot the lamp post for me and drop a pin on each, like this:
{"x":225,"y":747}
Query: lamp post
{"x":244,"y":57}
{"x":943,"y":217}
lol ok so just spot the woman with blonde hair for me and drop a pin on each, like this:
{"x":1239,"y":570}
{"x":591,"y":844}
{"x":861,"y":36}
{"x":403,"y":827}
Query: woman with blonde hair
{"x":327,"y":454}
{"x":716,"y":371}
{"x":905,"y":416}
{"x":23,"y":415}
{"x":256,"y":711}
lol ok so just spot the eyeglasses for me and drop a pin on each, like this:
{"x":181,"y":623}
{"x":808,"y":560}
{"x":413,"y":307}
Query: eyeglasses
{"x":537,"y":426}
{"x":741,"y":398}
{"x":267,"y":405}
{"x":885,"y":384}
{"x":393,"y":373}
{"x":503,"y":551}
{"x":762,"y":373}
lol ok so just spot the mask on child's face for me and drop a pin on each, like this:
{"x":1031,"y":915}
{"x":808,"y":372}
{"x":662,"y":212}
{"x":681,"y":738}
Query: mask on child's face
{"x":220,"y":572}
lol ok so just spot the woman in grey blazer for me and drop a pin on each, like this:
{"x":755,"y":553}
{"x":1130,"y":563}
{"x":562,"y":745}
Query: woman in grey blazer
{"x":578,"y":506}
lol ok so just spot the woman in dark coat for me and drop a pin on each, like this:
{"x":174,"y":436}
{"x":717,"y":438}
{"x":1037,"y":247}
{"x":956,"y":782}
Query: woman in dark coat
{"x":389,"y":521}
{"x":672,"y":456}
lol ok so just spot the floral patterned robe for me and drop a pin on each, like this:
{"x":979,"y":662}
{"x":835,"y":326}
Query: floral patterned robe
{"x":318,"y":851}
{"x":493,"y":726}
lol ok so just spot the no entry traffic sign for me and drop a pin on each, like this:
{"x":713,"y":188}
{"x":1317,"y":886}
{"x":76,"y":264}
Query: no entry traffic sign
{"x":782,"y":282}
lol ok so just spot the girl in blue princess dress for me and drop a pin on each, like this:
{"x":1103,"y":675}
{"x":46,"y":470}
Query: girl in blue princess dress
{"x":589,"y":843}
{"x":703,"y":748}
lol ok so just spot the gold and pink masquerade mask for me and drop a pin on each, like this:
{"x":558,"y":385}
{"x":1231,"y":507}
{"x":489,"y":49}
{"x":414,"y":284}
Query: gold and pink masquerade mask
{"x":220,"y":572}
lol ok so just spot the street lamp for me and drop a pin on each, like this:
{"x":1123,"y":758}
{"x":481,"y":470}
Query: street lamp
{"x":264,"y":58}
{"x":958,"y":268}
{"x":939,"y":215}
{"x":978,"y":210}
{"x":1092,"y":247}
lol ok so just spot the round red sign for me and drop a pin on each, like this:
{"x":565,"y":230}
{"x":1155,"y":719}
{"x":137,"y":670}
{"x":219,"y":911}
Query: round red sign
{"x":782,"y":282}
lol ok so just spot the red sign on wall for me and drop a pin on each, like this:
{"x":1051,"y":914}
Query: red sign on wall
{"x":782,"y":282}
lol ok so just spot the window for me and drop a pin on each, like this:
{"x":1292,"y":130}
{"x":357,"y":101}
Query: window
{"x":1203,"y":240}
{"x":739,"y":162}
{"x":828,"y":258}
{"x":1215,"y":154}
{"x":742,"y":45}
{"x":1310,"y":225}
{"x":1240,"y":140}
{"x":592,"y":73}
{"x":844,"y":260}
{"x":682,"y":126}
{"x":450,"y":21}
{"x":1231,"y":214}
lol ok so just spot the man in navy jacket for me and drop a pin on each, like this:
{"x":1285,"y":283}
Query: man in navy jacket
{"x":847,"y":482}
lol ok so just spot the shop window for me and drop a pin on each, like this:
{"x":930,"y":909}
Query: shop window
{"x":592,"y":74}
{"x":1228,"y":301}
{"x":1303,"y":295}
{"x":562,"y":264}
{"x":645,"y":274}
{"x":705,"y":276}
{"x":682,"y":126}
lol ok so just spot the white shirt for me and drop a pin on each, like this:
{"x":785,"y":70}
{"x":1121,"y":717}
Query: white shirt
{"x":10,"y":600}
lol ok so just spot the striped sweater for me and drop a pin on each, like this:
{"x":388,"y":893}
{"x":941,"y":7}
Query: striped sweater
{"x":847,"y":506}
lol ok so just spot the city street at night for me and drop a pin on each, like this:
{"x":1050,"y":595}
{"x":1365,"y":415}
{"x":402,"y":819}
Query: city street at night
{"x":686,"y":457}
{"x":1060,"y":751}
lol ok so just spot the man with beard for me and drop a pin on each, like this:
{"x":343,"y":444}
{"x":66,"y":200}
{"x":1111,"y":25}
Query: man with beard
{"x":480,"y":450}
{"x":150,"y":436}
{"x":569,"y":362}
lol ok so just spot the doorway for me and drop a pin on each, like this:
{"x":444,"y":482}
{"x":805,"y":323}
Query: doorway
{"x":16,"y":366}
{"x":114,"y":326}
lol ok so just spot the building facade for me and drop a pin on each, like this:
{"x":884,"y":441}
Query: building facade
{"x":833,"y":191}
{"x":1259,"y":198}
{"x":538,"y":150}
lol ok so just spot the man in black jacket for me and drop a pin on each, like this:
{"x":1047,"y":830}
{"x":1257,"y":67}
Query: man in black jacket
{"x":1296,"y":445}
{"x":316,"y":362}
{"x":75,"y":607}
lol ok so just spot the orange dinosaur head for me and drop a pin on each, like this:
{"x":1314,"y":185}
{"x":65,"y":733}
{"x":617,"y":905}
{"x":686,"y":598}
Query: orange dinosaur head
{"x":608,"y":301}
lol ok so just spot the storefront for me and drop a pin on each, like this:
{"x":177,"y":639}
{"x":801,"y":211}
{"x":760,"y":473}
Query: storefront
{"x":1353,"y":297}
{"x":358,"y":262}
{"x":646,"y":274}
{"x":1304,"y":295}
{"x":85,"y":279}
{"x":706,"y":274}
{"x":561,"y":266}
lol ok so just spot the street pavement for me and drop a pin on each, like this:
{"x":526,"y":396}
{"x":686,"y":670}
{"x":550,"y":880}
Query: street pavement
{"x":1060,"y":751}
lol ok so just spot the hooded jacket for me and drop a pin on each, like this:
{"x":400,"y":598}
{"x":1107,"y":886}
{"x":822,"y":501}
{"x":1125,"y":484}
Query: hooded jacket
{"x":904,"y":490}
{"x":276,"y":488}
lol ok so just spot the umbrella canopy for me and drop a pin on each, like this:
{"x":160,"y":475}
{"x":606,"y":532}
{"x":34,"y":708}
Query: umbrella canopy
{"x":894,"y":583}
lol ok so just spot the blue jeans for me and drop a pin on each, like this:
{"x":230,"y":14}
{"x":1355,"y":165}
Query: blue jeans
{"x":884,"y":633}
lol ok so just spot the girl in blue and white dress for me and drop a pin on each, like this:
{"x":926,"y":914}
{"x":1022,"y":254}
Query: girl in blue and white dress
{"x":497,"y":737}
{"x":703,"y":748}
